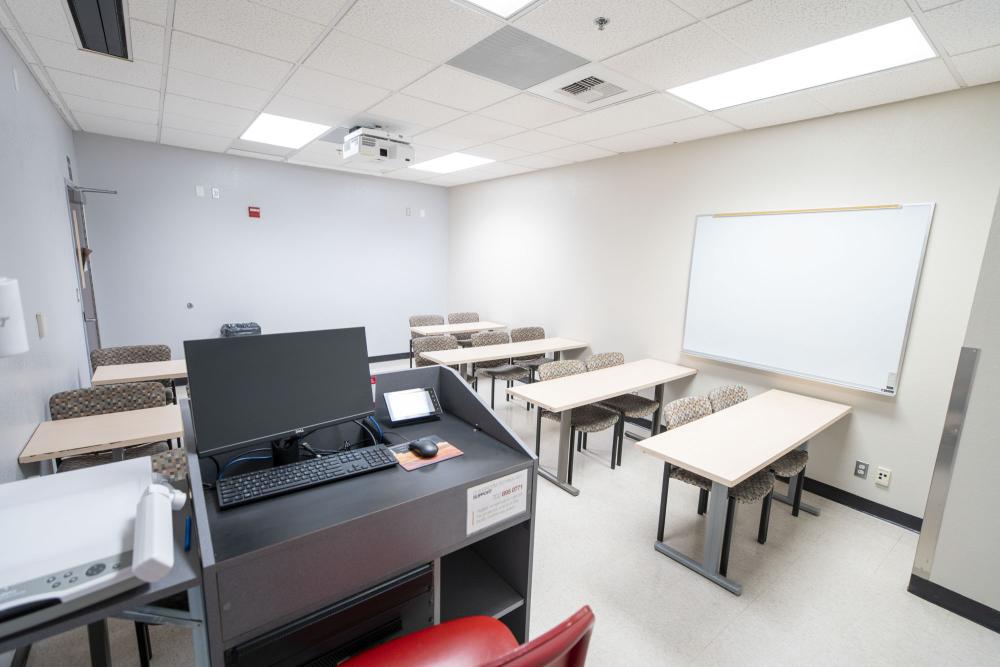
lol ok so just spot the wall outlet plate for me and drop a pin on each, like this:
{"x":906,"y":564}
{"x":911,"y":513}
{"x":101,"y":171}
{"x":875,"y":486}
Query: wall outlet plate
{"x":883,"y":476}
{"x":861,"y":469}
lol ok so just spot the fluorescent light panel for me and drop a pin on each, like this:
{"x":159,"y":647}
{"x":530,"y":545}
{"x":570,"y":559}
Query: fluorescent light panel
{"x":282,"y":131}
{"x":503,"y":8}
{"x":451,"y":162}
{"x":884,"y":47}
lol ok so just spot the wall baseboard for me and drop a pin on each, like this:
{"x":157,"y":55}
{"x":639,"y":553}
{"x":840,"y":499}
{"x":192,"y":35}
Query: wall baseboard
{"x":954,"y":602}
{"x":851,"y":500}
{"x":388,"y":357}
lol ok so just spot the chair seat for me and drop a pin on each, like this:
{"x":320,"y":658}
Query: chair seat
{"x":632,"y":405}
{"x":747,"y":491}
{"x":504,"y":372}
{"x":474,"y":640}
{"x":791,"y":464}
{"x":587,"y":418}
{"x":99,"y":458}
{"x":689,"y":477}
{"x":532,"y":362}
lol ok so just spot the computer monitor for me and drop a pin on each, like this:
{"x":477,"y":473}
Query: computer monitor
{"x":257,"y":389}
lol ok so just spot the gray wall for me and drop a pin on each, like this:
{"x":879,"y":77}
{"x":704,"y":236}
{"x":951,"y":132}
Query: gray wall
{"x":36,"y":247}
{"x":331,"y":249}
{"x":968,"y":544}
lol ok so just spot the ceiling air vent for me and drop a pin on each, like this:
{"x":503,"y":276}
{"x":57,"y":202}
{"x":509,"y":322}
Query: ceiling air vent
{"x":101,"y":26}
{"x":591,"y":89}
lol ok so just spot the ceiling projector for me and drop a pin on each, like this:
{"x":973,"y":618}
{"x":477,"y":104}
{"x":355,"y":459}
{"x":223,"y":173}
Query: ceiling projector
{"x":371,"y":145}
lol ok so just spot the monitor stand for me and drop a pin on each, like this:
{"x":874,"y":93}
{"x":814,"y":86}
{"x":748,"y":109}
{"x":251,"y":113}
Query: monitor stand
{"x":285,"y":451}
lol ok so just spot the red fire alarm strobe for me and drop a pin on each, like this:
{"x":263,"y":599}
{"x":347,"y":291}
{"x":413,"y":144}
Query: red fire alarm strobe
{"x":254,"y":211}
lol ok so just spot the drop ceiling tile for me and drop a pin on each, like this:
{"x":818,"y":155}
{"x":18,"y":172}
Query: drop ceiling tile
{"x":256,"y":147}
{"x":147,"y":42}
{"x":528,"y":111}
{"x":153,"y":11}
{"x":434,"y":30}
{"x":195,"y":140}
{"x":482,"y":130}
{"x":423,"y":153}
{"x":689,"y":54}
{"x":461,"y":90}
{"x":361,"y":60}
{"x":215,"y":90}
{"x":104,"y":90}
{"x":318,"y":11}
{"x":219,"y":129}
{"x":515,"y":58}
{"x":89,"y":105}
{"x":291,"y":107}
{"x":413,"y":110}
{"x":207,"y":111}
{"x":219,"y":61}
{"x":647,"y":111}
{"x":248,"y":26}
{"x":64,"y":56}
{"x":629,"y":141}
{"x":116,"y":127}
{"x":446,"y":141}
{"x":579,"y":153}
{"x":774,"y":111}
{"x":570,"y":24}
{"x":496,"y":152}
{"x":902,"y":83}
{"x":979,"y":67}
{"x":335,"y":91}
{"x":690,"y":129}
{"x":407,"y":174}
{"x":45,"y":18}
{"x":965,"y":26}
{"x":768,"y":28}
{"x":534,"y":142}
{"x":542,"y":161}
{"x":705,"y":8}
{"x":258,"y":156}
{"x":20,"y":44}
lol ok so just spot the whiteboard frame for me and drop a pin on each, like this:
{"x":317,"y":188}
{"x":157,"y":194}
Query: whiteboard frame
{"x":881,"y":391}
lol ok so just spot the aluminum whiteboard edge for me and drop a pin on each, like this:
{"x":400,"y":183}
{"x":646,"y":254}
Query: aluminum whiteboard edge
{"x":881,"y":391}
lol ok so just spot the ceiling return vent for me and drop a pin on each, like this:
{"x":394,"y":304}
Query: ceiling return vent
{"x":100,"y":25}
{"x":590,"y":87}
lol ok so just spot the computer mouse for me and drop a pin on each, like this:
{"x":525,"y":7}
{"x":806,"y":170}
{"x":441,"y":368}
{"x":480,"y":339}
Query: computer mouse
{"x":424,"y":448}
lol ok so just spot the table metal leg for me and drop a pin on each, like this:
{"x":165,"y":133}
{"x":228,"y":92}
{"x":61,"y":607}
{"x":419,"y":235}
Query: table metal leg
{"x":793,"y":484}
{"x":100,"y":645}
{"x":715,"y":529}
{"x":561,"y":478}
{"x":657,"y":416}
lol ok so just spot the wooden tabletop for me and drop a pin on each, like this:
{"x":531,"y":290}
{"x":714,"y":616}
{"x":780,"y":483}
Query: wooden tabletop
{"x":465,"y":327}
{"x":732,"y":444}
{"x":469,"y":355}
{"x":575,"y":390}
{"x":98,"y":433}
{"x":151,"y":370}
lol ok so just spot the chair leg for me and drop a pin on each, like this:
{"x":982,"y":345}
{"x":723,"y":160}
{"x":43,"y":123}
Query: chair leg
{"x":493,"y":391}
{"x":538,"y":434}
{"x":579,"y":442}
{"x":510,"y":383}
{"x":797,"y":499}
{"x":614,"y":445}
{"x":727,"y":538}
{"x":585,"y":440}
{"x":144,"y":644}
{"x":765,"y":517}
{"x":411,"y":353}
{"x":621,"y":438}
{"x":702,"y":501}
{"x":663,"y":502}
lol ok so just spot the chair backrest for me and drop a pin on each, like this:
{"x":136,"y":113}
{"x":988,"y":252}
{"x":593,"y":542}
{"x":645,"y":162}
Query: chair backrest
{"x":728,"y":396}
{"x":558,"y":369}
{"x":563,"y":646}
{"x":462,"y":318}
{"x":128,"y":354}
{"x":520,"y":334}
{"x":107,"y":398}
{"x":490,"y":338}
{"x":432,"y":344}
{"x":424,"y":321}
{"x":605,"y":360}
{"x":686,"y":410}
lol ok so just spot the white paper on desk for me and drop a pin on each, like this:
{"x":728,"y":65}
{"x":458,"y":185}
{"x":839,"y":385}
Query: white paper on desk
{"x":492,"y":502}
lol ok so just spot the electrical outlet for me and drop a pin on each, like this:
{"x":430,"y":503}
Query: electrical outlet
{"x":883,"y":476}
{"x":861,"y":469}
{"x":215,"y":193}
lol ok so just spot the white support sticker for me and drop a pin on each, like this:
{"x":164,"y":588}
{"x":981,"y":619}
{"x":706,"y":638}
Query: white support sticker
{"x":492,"y":502}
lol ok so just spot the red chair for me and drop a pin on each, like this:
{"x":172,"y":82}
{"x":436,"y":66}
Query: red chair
{"x":481,"y":641}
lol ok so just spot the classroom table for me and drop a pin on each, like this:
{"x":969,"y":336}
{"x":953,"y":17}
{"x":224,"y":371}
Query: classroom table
{"x":174,"y":369}
{"x":729,"y":446}
{"x":563,"y":394}
{"x":464,"y":327}
{"x":99,"y":433}
{"x":527,"y":348}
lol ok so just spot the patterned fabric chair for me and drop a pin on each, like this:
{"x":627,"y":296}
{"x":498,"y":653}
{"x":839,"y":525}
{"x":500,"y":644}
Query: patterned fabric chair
{"x":632,"y":406}
{"x":583,"y":420}
{"x":791,"y":464}
{"x":500,"y":369}
{"x":465,"y":340}
{"x":422,"y":321}
{"x":431,"y":344}
{"x":531,"y":362}
{"x":103,"y":400}
{"x":759,"y":486}
{"x":133,"y":354}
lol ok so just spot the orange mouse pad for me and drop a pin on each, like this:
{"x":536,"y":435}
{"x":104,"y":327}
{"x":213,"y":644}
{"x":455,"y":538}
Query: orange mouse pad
{"x":411,"y":461}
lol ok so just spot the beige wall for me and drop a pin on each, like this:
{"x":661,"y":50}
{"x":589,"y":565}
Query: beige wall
{"x":600,"y":250}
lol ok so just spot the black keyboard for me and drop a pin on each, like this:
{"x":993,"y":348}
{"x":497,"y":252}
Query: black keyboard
{"x":261,"y":484}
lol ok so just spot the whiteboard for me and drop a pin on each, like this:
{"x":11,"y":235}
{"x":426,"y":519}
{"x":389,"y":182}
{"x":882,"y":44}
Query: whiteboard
{"x":825,"y":295}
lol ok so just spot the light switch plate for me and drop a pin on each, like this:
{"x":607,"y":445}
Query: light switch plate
{"x":199,"y":190}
